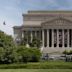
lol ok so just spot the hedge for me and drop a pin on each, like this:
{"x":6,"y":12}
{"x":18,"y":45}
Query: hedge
{"x":39,"y":65}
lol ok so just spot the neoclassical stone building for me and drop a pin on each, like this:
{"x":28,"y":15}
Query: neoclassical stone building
{"x":53,"y":28}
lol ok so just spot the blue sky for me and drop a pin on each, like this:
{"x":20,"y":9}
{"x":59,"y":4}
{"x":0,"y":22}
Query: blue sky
{"x":11,"y":10}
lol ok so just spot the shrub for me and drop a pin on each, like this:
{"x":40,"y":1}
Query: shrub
{"x":7,"y":56}
{"x":70,"y":52}
{"x":35,"y":56}
{"x":65,"y":52}
{"x":19,"y":54}
{"x":28,"y":54}
{"x":39,"y":65}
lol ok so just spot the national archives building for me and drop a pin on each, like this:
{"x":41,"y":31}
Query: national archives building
{"x":52,"y":28}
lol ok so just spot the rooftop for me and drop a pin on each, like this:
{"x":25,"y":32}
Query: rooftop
{"x":54,"y":11}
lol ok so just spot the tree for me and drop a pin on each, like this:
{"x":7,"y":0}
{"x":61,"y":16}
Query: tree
{"x":9,"y":53}
{"x":1,"y":54}
{"x":6,"y":48}
{"x":5,"y":40}
{"x":35,"y":43}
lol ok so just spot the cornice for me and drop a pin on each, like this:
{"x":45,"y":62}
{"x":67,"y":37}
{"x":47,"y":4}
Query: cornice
{"x":43,"y":12}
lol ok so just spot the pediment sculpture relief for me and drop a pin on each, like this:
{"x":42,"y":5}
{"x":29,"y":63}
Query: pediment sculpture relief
{"x":57,"y":21}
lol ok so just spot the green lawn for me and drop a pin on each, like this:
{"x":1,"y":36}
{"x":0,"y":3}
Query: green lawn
{"x":35,"y":70}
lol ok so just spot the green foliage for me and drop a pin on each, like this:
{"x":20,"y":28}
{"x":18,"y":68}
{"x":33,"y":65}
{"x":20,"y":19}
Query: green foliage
{"x":35,"y":70}
{"x":35,"y":54}
{"x":70,"y":52}
{"x":36,"y":43}
{"x":5,"y":40}
{"x":2,"y":52}
{"x":68,"y":57}
{"x":28,"y":54}
{"x":19,"y":54}
{"x":9,"y":53}
{"x":22,"y":54}
{"x":6,"y":48}
{"x":24,"y":41}
{"x":39,"y":65}
{"x":6,"y":55}
{"x":67,"y":52}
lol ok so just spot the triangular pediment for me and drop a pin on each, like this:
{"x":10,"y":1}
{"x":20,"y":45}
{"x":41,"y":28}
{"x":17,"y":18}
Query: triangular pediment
{"x":57,"y":21}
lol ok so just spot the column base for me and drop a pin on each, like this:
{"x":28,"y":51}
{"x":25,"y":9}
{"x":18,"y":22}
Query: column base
{"x":55,"y":50}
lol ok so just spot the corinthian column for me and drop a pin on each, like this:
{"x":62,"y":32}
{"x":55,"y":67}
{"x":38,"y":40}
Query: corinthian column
{"x":52,"y":38}
{"x":57,"y":38}
{"x":68,"y":38}
{"x":43,"y":38}
{"x":63,"y":38}
{"x":22,"y":34}
{"x":48,"y":38}
{"x":31,"y":36}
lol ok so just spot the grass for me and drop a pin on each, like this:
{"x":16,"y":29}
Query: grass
{"x":35,"y":70}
